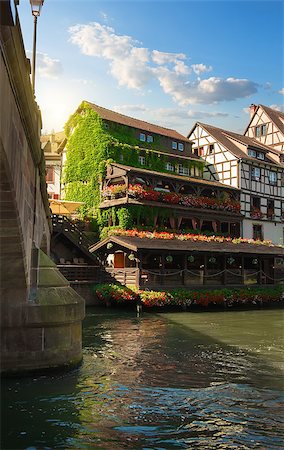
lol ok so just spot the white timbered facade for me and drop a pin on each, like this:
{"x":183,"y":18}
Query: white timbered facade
{"x":267,"y":126}
{"x":245,"y":163}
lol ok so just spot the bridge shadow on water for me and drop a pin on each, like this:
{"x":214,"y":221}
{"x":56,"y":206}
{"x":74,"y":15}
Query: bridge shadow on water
{"x":156,"y":382}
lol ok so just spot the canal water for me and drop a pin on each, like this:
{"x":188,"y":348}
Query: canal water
{"x":162,"y":381}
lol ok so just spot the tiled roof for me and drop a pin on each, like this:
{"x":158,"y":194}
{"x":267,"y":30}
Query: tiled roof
{"x":136,"y":243}
{"x":275,"y":117}
{"x":228,"y":139}
{"x":113,"y":116}
{"x":174,"y":176}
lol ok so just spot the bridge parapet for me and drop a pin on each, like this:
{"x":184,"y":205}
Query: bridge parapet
{"x":41,"y":315}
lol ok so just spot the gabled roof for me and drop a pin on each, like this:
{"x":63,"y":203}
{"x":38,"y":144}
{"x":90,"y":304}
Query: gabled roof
{"x":136,"y":243}
{"x":114,"y":116}
{"x":230,"y":139}
{"x":277,"y":117}
{"x":170,"y":176}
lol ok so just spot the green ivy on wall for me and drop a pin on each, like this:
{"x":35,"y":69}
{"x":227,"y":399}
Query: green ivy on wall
{"x":91,"y":145}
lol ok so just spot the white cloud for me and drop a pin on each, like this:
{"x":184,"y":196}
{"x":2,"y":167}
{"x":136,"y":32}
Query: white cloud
{"x":134,"y":66}
{"x":46,"y":66}
{"x":281,"y":91}
{"x":201,"y":68}
{"x":161,"y":58}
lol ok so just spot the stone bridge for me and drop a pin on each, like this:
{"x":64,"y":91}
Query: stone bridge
{"x":40,"y":314}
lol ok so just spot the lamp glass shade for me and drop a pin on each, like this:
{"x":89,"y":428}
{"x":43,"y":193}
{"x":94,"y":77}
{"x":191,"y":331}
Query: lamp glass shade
{"x":36,"y":7}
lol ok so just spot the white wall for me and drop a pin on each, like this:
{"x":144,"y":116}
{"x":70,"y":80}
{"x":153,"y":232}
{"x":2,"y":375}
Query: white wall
{"x":272,"y":232}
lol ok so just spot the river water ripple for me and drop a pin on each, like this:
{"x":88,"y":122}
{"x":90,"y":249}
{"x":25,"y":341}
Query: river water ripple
{"x":165,"y":381}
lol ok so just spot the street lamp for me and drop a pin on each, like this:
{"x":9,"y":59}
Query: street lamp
{"x":36,"y":6}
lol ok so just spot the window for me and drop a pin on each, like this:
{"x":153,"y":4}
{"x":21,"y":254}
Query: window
{"x":170,"y":166}
{"x":142,"y":160}
{"x":174,"y":145}
{"x":252,"y":153}
{"x":263,"y":130}
{"x":142,"y":137}
{"x":260,"y":155}
{"x":195,"y":151}
{"x":49,"y":174}
{"x":183,"y":170}
{"x":180,"y":147}
{"x":255,"y":173}
{"x":257,"y":131}
{"x":270,"y":209}
{"x":150,"y":138}
{"x":201,"y":151}
{"x":273,"y":178}
{"x":211,"y":149}
{"x":257,"y":233}
{"x":255,"y":202}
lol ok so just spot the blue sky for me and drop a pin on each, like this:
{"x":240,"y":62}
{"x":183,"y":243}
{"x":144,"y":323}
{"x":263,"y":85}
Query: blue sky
{"x":166,"y":62}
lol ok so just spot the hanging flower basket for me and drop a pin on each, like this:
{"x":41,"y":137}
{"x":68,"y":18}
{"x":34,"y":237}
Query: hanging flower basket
{"x":255,"y":261}
{"x":109,"y":245}
{"x":230,"y":260}
{"x":169,"y":258}
{"x":190,"y":258}
{"x":212,"y":259}
{"x":131,"y":257}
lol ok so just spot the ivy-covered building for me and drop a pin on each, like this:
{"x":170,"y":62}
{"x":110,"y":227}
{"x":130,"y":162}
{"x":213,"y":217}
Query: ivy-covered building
{"x":133,"y":173}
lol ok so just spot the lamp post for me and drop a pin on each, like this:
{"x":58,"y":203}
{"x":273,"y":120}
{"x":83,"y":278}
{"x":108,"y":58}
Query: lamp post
{"x":36,"y":6}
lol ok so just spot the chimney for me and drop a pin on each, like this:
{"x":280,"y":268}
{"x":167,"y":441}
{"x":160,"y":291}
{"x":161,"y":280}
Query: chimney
{"x":252,"y":109}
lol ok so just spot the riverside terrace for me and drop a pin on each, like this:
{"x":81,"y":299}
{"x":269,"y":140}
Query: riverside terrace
{"x":147,"y":261}
{"x":176,"y":202}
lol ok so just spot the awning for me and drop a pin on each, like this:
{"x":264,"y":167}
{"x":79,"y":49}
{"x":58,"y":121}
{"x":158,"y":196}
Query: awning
{"x":63,"y":207}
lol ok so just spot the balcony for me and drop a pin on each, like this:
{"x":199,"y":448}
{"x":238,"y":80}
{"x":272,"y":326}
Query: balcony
{"x":141,"y":193}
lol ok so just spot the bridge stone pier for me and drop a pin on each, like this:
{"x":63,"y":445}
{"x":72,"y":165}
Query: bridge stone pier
{"x":41,"y":316}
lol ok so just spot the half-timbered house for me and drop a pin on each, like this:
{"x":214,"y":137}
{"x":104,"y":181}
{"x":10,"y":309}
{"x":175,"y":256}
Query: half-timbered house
{"x":245,"y":163}
{"x":267,"y":127}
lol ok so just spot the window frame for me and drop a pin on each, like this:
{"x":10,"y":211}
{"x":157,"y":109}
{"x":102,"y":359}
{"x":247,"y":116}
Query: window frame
{"x":174,"y":145}
{"x":253,"y":176}
{"x":272,"y":182}
{"x":150,"y":138}
{"x":141,"y":139}
{"x":169,"y":164}
{"x":180,"y":146}
{"x":142,"y":160}
{"x":50,"y":169}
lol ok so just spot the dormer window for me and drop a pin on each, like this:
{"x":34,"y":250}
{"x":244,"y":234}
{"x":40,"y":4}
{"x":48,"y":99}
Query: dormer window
{"x":260,"y":155}
{"x":252,"y":153}
{"x":174,"y":145}
{"x":180,"y":147}
{"x":150,"y":138}
{"x":142,"y":137}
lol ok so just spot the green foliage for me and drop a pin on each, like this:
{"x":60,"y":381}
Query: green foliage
{"x":91,"y":146}
{"x":124,"y":218}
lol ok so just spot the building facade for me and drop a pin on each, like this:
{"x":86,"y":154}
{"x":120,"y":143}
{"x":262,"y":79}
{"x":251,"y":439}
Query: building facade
{"x":53,"y":145}
{"x":245,"y":163}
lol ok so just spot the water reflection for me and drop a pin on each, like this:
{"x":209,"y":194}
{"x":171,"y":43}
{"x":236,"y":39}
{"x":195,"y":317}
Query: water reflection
{"x":157,"y":382}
